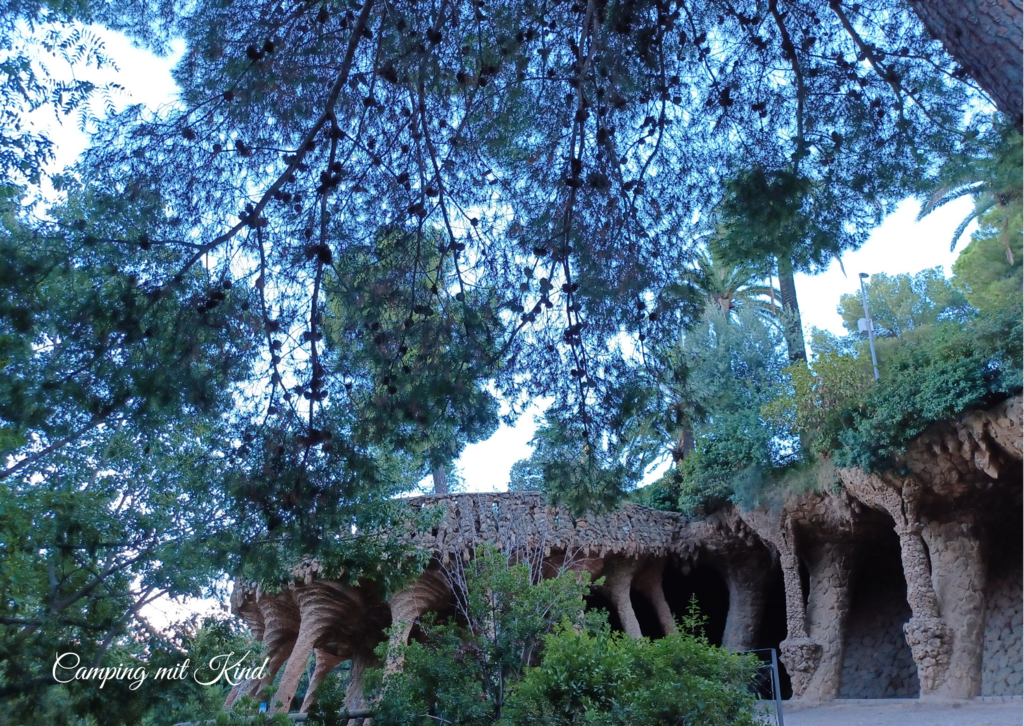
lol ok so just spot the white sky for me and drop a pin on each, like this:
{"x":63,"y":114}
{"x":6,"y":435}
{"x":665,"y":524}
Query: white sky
{"x":899,"y":245}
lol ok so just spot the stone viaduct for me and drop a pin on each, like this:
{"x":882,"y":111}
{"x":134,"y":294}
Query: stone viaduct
{"x":901,"y":584}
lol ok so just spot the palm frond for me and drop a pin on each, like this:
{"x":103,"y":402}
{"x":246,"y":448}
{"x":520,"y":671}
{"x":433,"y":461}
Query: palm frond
{"x":960,"y":229}
{"x":945,"y":194}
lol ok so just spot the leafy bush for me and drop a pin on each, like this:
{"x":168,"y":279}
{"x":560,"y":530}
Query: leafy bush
{"x":765,"y":430}
{"x":936,"y":360}
{"x":937,"y":377}
{"x":464,"y":669}
{"x":522,"y":651}
{"x":603,"y":679}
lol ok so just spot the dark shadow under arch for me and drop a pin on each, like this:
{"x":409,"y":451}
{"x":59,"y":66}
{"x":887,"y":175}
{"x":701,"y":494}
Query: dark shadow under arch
{"x":709,"y":588}
{"x":597,"y":601}
{"x":877,"y":662}
{"x":773,"y":624}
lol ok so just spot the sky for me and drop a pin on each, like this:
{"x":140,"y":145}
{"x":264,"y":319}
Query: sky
{"x":899,"y":245}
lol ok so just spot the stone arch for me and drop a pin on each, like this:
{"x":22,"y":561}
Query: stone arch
{"x":772,"y":630}
{"x":706,"y":583}
{"x":877,"y":661}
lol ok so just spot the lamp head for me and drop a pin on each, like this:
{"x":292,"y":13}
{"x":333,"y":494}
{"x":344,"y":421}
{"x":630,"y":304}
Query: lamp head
{"x":864,"y":275}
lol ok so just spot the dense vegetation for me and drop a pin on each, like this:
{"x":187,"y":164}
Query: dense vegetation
{"x":248,"y":321}
{"x":521,"y":651}
{"x":943,"y":347}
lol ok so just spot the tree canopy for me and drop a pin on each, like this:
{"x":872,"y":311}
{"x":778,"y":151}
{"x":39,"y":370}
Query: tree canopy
{"x":256,"y":314}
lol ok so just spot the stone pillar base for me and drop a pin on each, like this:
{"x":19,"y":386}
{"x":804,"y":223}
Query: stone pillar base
{"x":801,"y":657}
{"x":931,"y":643}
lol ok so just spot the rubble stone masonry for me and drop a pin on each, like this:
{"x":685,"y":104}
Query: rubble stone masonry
{"x":897,"y":584}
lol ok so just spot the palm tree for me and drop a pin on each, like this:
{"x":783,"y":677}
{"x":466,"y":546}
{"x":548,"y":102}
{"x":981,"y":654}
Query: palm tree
{"x":730,"y":288}
{"x":993,"y":179}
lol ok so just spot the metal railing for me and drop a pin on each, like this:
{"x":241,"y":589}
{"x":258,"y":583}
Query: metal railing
{"x":293,"y":717}
{"x":765,"y":683}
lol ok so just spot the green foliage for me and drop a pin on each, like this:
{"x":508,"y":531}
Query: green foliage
{"x":134,"y":465}
{"x":155,"y":702}
{"x":521,"y":653}
{"x":575,"y":470}
{"x":949,"y":370}
{"x":988,"y":169}
{"x":597,"y":678}
{"x":937,"y":358}
{"x":766,"y":430}
{"x":989,"y":270}
{"x":416,"y":364}
{"x":712,"y":281}
{"x":465,"y":670}
{"x":731,"y":368}
{"x":824,"y":397}
{"x":900,"y":304}
{"x":526,"y":475}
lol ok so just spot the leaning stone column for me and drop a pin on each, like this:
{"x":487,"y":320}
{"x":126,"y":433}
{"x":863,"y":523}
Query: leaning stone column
{"x":747,"y":582}
{"x":281,"y":628}
{"x":798,"y":652}
{"x":618,"y":579}
{"x":827,"y":608}
{"x":648,"y":582}
{"x":429,"y":592}
{"x":321,"y":603}
{"x":246,"y":608}
{"x":325,"y":663}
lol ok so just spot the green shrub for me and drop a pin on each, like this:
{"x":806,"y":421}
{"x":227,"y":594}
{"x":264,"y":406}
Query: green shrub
{"x":603,"y":680}
{"x":523,"y":652}
{"x":464,"y":669}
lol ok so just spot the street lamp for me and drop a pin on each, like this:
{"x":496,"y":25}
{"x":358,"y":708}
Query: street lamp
{"x":865,"y":324}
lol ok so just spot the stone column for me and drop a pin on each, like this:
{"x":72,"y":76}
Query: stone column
{"x":325,"y":663}
{"x":354,"y":698}
{"x":648,"y":582}
{"x":827,"y":608}
{"x":958,"y":576}
{"x":928,"y":636}
{"x":618,"y":579}
{"x":747,"y":580}
{"x":799,"y":652}
{"x":322,"y":604}
{"x":429,"y":592}
{"x":245,"y":607}
{"x":281,"y":628}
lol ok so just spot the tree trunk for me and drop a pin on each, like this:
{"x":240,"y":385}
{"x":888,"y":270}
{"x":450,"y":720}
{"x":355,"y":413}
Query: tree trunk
{"x":684,"y":443}
{"x":793,"y":327}
{"x":983,"y":36}
{"x":440,"y":480}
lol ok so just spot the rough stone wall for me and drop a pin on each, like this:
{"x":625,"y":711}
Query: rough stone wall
{"x":1001,"y":673}
{"x":877,"y":662}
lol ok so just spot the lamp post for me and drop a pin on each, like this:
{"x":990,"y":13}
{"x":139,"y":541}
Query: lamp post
{"x":866,"y":324}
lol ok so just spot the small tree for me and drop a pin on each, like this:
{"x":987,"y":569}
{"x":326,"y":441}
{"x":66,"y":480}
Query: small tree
{"x":464,"y":669}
